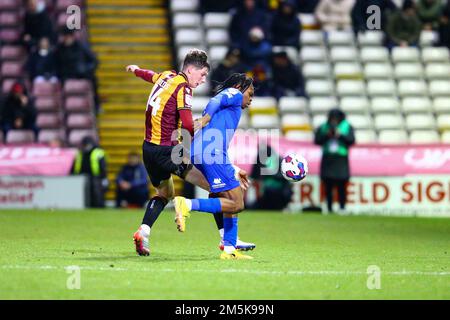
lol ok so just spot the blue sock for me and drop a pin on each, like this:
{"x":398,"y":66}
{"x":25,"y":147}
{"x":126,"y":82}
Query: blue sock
{"x":207,"y":205}
{"x":230,"y":226}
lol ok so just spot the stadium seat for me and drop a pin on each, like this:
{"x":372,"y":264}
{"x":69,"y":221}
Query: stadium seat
{"x":217,"y":53}
{"x":186,"y":20}
{"x":443,"y":122}
{"x":47,"y":135}
{"x":392,"y":137}
{"x":351,"y":88}
{"x":49,"y":121}
{"x":360,"y":121}
{"x":75,"y":136}
{"x":184,"y":5}
{"x":318,"y":120}
{"x":445,"y":137}
{"x":80,"y":121}
{"x":343,"y":54}
{"x":263,"y":105}
{"x":308,"y":20}
{"x":313,"y":54}
{"x":408,"y":70}
{"x":9,"y":19}
{"x":437,"y":71}
{"x":19,"y":137}
{"x":348,"y":70}
{"x":193,"y":37}
{"x":435,"y":54}
{"x":420,"y":121}
{"x":317,"y":70}
{"x":405,"y":54}
{"x":300,"y":135}
{"x":412,"y":88}
{"x":428,"y":38}
{"x":319,"y":87}
{"x":10,"y":35}
{"x":264,"y":121}
{"x":441,"y":105}
{"x":295,"y":121}
{"x":420,"y":104}
{"x":365,"y":136}
{"x":12,"y":53}
{"x":388,"y":121}
{"x":77,"y":87}
{"x":381,"y":88}
{"x":217,"y":37}
{"x":7,"y":85}
{"x":79,"y":104}
{"x":199,"y":104}
{"x":10,"y":4}
{"x":293,"y":104}
{"x":385,"y":105}
{"x":322,"y":104}
{"x":216,"y":20}
{"x":439,"y":88}
{"x":354,"y":104}
{"x":370,"y":38}
{"x":378,"y":70}
{"x":374,"y":54}
{"x":48,"y":104}
{"x":424,"y":136}
{"x":341,"y":38}
{"x":11,"y":69}
{"x":46,"y":89}
{"x":311,"y":38}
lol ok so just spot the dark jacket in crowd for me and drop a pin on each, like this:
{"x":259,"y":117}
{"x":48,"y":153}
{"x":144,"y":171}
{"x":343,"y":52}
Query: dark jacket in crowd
{"x":243,"y":20}
{"x":39,"y":25}
{"x":360,"y":15}
{"x":75,"y":61}
{"x":307,"y":6}
{"x":403,"y":28}
{"x":217,"y":6}
{"x":136,"y":175}
{"x":444,"y":27}
{"x":429,"y":12}
{"x":41,"y":65}
{"x":335,"y":137}
{"x":14,"y":108}
{"x":287,"y":78}
{"x":286,"y":27}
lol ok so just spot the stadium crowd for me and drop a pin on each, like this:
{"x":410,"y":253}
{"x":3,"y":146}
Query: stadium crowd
{"x":257,"y":28}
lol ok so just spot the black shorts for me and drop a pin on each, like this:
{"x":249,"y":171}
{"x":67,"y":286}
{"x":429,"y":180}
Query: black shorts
{"x":159,"y":164}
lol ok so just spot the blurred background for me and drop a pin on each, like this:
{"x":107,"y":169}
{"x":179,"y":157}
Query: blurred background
{"x":69,"y":109}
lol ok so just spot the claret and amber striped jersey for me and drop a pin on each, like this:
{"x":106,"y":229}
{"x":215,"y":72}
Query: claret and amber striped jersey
{"x":170,"y":95}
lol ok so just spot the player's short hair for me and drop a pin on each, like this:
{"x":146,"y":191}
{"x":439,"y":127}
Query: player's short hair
{"x":197,"y":58}
{"x":240,"y":80}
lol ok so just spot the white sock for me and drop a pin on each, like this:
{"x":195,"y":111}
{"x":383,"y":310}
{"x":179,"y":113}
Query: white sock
{"x":145,"y":230}
{"x":189,"y":204}
{"x":229,"y":249}
{"x":221,"y":232}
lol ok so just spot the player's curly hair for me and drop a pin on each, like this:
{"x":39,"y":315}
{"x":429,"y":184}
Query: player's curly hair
{"x":197,"y":58}
{"x":240,"y":80}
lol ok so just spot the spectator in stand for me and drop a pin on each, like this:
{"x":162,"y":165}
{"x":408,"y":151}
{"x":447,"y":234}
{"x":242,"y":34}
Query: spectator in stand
{"x":41,"y":63}
{"x":230,"y":64}
{"x":257,"y":50}
{"x":75,"y":60}
{"x":18,"y":110}
{"x":261,"y":80}
{"x":91,"y":161}
{"x":360,"y":15}
{"x":307,"y":6}
{"x":247,"y":16}
{"x":429,"y":12}
{"x":287,"y":79}
{"x":444,"y":27}
{"x":335,"y":14}
{"x":286,"y":26}
{"x":37,"y":24}
{"x":335,"y":136}
{"x":404,"y":27}
{"x":132,"y":184}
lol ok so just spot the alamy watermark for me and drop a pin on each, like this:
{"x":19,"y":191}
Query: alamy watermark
{"x":374,"y":277}
{"x":73,"y":21}
{"x":74,"y":279}
{"x":374,"y":20}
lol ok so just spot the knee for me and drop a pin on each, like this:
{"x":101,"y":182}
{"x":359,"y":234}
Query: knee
{"x":238,"y":207}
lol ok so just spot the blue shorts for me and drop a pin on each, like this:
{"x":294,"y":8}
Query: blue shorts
{"x":220,"y":175}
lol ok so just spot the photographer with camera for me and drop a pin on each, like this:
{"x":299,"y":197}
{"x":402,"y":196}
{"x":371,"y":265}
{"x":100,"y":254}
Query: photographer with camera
{"x":335,"y":136}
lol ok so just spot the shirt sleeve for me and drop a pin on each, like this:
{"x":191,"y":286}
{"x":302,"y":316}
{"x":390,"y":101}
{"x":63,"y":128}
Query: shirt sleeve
{"x":147,"y":75}
{"x":184,"y":98}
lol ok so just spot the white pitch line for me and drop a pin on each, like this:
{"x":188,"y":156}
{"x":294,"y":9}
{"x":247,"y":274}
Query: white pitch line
{"x":255,"y":272}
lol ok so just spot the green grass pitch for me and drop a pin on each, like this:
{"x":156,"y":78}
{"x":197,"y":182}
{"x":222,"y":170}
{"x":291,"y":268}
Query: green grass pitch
{"x":297,"y":257}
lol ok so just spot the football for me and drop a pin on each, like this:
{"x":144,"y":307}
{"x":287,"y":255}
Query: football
{"x":294,"y":167}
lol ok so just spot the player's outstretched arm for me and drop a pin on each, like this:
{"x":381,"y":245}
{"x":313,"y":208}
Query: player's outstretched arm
{"x":146,"y":75}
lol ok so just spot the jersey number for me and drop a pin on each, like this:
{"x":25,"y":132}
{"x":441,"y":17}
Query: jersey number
{"x":155,"y":101}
